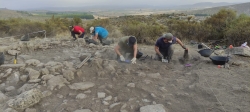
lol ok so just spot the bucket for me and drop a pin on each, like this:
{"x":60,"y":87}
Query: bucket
{"x":1,"y":58}
{"x":206,"y":52}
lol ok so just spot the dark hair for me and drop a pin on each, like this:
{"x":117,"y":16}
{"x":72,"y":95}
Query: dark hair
{"x":131,"y":40}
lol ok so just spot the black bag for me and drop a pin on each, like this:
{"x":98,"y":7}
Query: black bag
{"x":25,"y":37}
{"x":139,"y":54}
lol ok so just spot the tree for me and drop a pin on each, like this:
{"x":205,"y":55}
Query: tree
{"x":220,"y":22}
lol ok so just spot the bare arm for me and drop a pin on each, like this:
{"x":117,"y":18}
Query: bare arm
{"x":80,"y":32}
{"x":95,"y":37}
{"x":135,"y":50}
{"x":117,"y":47}
{"x":180,"y":43}
{"x":157,"y":51}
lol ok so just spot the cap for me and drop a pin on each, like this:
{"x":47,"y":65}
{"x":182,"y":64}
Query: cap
{"x":168,"y":36}
{"x":91,"y":29}
{"x":131,"y":40}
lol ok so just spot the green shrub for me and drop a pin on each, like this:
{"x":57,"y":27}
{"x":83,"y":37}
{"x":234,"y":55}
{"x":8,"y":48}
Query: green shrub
{"x":143,"y":31}
{"x":239,"y":30}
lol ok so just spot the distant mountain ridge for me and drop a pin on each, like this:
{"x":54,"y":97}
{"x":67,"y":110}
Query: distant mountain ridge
{"x":243,"y":8}
{"x":200,"y":5}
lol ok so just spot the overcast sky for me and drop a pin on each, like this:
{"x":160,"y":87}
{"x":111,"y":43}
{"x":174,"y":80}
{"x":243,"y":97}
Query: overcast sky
{"x":29,"y":4}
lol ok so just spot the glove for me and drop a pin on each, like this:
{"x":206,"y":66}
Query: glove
{"x":184,"y":47}
{"x":164,"y":60}
{"x":122,"y":58}
{"x":161,"y":56}
{"x":133,"y":61}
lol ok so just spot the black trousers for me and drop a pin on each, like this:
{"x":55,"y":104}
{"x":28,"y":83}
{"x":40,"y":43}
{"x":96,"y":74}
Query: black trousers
{"x":74,"y":34}
{"x":167,"y":54}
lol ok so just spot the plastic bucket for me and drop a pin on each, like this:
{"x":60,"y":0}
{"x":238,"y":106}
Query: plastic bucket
{"x":1,"y":58}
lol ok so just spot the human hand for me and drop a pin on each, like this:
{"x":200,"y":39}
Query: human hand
{"x":122,"y":58}
{"x":184,"y":47}
{"x":133,"y":61}
{"x":164,"y":60}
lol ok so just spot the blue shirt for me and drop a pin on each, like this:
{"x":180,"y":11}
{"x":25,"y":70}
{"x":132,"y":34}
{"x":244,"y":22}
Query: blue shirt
{"x":102,"y":32}
{"x":162,"y":45}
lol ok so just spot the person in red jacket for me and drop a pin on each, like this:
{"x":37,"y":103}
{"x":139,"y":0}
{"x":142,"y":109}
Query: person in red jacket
{"x":77,"y":30}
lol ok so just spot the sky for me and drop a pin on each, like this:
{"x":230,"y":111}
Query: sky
{"x":31,"y":4}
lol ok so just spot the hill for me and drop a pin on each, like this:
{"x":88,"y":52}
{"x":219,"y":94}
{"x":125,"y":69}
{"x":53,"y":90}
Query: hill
{"x":240,"y":8}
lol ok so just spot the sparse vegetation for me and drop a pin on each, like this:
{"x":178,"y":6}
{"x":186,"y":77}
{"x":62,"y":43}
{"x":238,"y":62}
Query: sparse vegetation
{"x":224,"y":25}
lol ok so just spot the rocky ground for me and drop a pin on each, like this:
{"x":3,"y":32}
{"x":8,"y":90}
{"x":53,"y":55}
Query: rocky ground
{"x":45,"y":79}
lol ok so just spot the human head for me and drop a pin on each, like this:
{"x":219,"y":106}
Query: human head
{"x":167,"y":38}
{"x":131,"y":41}
{"x":91,"y":29}
{"x":70,"y":28}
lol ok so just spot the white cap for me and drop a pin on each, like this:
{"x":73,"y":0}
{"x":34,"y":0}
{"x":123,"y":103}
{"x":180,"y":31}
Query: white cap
{"x":91,"y":29}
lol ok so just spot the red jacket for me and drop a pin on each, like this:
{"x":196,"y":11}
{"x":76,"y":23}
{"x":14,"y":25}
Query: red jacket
{"x":77,"y":29}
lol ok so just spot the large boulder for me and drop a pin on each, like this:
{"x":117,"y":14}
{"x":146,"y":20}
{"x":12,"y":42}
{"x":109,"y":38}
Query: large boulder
{"x":239,"y":51}
{"x":26,"y":99}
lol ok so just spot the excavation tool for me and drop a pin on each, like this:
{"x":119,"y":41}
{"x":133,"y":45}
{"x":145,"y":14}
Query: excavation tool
{"x":83,"y":62}
{"x":1,"y":58}
{"x":15,"y":60}
{"x":186,"y":55}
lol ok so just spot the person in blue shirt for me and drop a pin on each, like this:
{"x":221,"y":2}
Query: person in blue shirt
{"x":163,"y":47}
{"x":99,"y":33}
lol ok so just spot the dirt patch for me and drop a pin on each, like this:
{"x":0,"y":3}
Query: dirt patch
{"x":121,"y":86}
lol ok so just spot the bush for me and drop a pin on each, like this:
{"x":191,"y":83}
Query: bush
{"x":19,"y":26}
{"x":239,"y":30}
{"x":143,"y":31}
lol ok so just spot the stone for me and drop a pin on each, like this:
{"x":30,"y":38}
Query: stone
{"x":153,"y":108}
{"x":81,"y":96}
{"x":13,"y":52}
{"x":33,"y":74}
{"x":82,"y":86}
{"x":154,"y":75}
{"x":83,"y":110}
{"x":26,"y":87}
{"x":114,"y":104}
{"x":3,"y":97}
{"x":108,"y":98}
{"x":4,"y":48}
{"x":47,"y":77}
{"x":33,"y":62}
{"x":30,"y":110}
{"x":46,"y":93}
{"x":239,"y":51}
{"x":9,"y":110}
{"x":44,"y":71}
{"x":10,"y":88}
{"x":14,"y":78}
{"x":7,"y":72}
{"x":57,"y":81}
{"x":12,"y":65}
{"x":26,"y":99}
{"x":101,"y":95}
{"x":131,"y":85}
{"x":24,"y":78}
{"x":68,"y":74}
{"x":105,"y":103}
